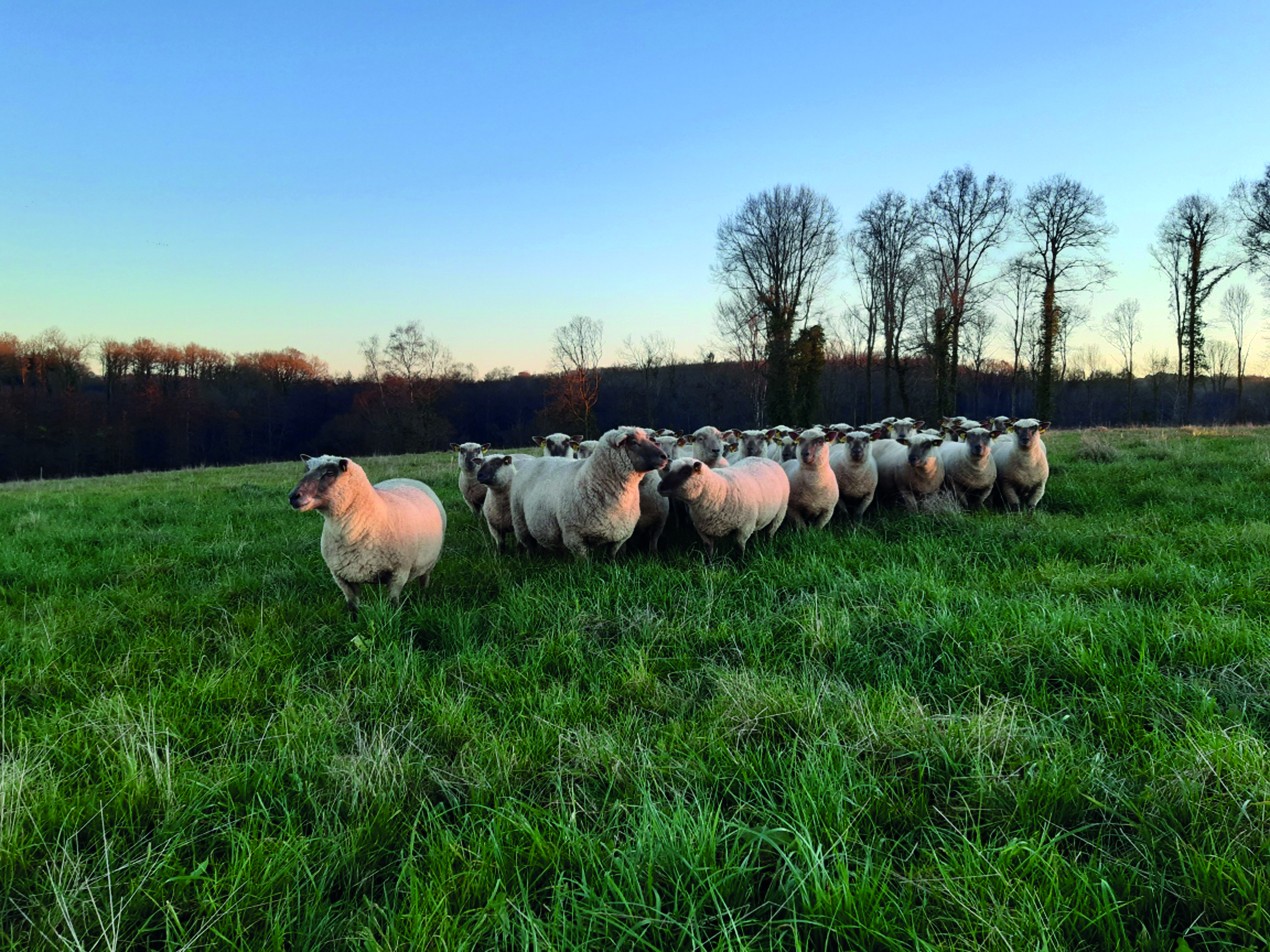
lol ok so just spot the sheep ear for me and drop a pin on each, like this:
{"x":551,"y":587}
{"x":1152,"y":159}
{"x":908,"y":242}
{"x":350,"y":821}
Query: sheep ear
{"x":507,"y":460}
{"x":344,"y":465}
{"x":696,"y":465}
{"x":938,"y":441}
{"x":1044,"y":426}
{"x":305,"y":457}
{"x":455,"y":447}
{"x":485,"y":447}
{"x":538,"y":440}
{"x":573,"y":444}
{"x":681,"y":441}
{"x":917,"y":424}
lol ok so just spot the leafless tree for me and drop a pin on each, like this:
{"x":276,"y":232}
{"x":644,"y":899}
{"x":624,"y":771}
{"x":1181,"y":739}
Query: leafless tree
{"x":980,"y":324}
{"x":1219,"y":356}
{"x":1252,"y":205}
{"x":504,"y":372}
{"x":1123,"y":330}
{"x":883,"y":255}
{"x":963,"y":220}
{"x":1236,"y":312}
{"x":1066,"y":229}
{"x":774,"y":256}
{"x":741,"y":332}
{"x":651,"y":355}
{"x":1189,"y":242}
{"x":576,"y":351}
{"x":1020,"y":293}
{"x":1070,"y":319}
{"x":1157,"y":367}
{"x":862,"y":257}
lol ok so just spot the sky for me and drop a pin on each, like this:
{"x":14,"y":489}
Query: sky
{"x":255,"y":176}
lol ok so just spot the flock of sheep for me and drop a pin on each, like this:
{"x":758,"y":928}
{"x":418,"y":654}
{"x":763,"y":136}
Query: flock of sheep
{"x":596,"y":495}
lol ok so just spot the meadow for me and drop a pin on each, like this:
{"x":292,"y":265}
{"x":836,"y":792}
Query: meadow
{"x":932,"y":731}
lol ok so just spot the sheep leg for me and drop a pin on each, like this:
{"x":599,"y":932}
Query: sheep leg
{"x":397,"y":582}
{"x":1011,"y":497}
{"x":824,"y":518}
{"x":352,"y":591}
{"x":909,"y":500}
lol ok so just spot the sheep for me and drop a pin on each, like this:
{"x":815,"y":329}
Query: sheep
{"x":749,"y":443}
{"x":1022,"y":465}
{"x":708,"y":446}
{"x":496,"y":475}
{"x":391,"y":532}
{"x":1000,"y":425}
{"x":671,"y":443}
{"x":909,"y":468}
{"x":813,"y":487}
{"x":856,"y":471}
{"x":783,"y":446}
{"x":969,"y":469}
{"x":654,"y":511}
{"x":584,"y":505}
{"x":732,"y":502}
{"x":558,"y":444}
{"x":905,"y":426}
{"x":469,"y":462}
{"x":585,"y":448}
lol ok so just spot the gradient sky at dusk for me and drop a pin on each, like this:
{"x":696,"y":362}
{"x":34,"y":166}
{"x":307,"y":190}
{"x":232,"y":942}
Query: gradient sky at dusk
{"x":257,"y":176}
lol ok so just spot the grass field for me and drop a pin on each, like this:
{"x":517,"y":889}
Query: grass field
{"x":939,"y":731}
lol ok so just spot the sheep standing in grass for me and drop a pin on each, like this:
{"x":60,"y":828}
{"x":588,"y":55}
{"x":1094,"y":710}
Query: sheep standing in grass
{"x":583,"y":505}
{"x":813,"y":487}
{"x":909,"y":469}
{"x":470,"y":459}
{"x":654,"y":512}
{"x":558,"y":444}
{"x":496,"y":475}
{"x":390,"y":533}
{"x":732,"y":502}
{"x":969,"y":469}
{"x":1022,"y":465}
{"x":856,"y":470}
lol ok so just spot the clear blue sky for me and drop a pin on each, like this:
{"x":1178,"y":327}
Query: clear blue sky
{"x":255,"y":176}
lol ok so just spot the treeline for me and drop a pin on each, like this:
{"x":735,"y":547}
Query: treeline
{"x":146,"y":406}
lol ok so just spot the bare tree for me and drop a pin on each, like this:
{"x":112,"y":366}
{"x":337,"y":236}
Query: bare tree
{"x":1236,"y":312}
{"x":1157,"y":367}
{"x":1252,"y":204}
{"x":650,"y":355}
{"x":1190,"y":236}
{"x":576,"y":350}
{"x":862,"y":256}
{"x":980,"y":324}
{"x":1123,"y":330}
{"x":884,"y":248}
{"x":741,"y":332}
{"x":1219,"y":356}
{"x":504,"y":372}
{"x":1020,"y":294}
{"x":963,"y":219}
{"x":1066,"y":229}
{"x":774,"y":256}
{"x":1070,"y":320}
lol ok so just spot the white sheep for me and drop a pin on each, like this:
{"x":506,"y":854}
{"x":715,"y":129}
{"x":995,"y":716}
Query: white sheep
{"x":732,"y":502}
{"x":710,"y":446}
{"x":391,"y":532}
{"x":654,"y":511}
{"x":749,"y":443}
{"x":671,"y":443}
{"x":585,"y":448}
{"x":909,"y":469}
{"x":1022,"y":465}
{"x":583,"y":505}
{"x":905,"y":426}
{"x":856,"y":470}
{"x":470,"y":459}
{"x":496,"y":475}
{"x":969,"y":469}
{"x":813,"y":487}
{"x":558,"y":444}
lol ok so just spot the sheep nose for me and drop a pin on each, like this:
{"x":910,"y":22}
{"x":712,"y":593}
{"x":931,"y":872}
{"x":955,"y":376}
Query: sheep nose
{"x":295,"y":499}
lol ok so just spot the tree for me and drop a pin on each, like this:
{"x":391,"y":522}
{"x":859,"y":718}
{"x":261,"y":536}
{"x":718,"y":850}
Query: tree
{"x":1219,"y":357}
{"x":1123,"y":330}
{"x":1252,"y":202}
{"x":1236,"y":311}
{"x":773,"y":257}
{"x":963,"y":219}
{"x":883,"y":254}
{"x":1021,"y":293}
{"x":741,"y":330}
{"x":505,"y":372}
{"x":650,"y":355}
{"x":1066,"y":230}
{"x":419,"y":360}
{"x":1189,"y":243}
{"x":575,"y":351}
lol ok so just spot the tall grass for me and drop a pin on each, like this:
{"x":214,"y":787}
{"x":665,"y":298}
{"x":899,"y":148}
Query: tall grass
{"x":933,"y":731}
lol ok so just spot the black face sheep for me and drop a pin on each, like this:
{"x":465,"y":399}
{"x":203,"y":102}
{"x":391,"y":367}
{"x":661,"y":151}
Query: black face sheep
{"x":558,"y":444}
{"x":1022,"y":465}
{"x":969,"y":469}
{"x":583,"y":505}
{"x":496,"y":475}
{"x":856,"y":470}
{"x":390,"y":533}
{"x":813,"y":487}
{"x":470,"y":459}
{"x":909,"y":469}
{"x":732,"y":502}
